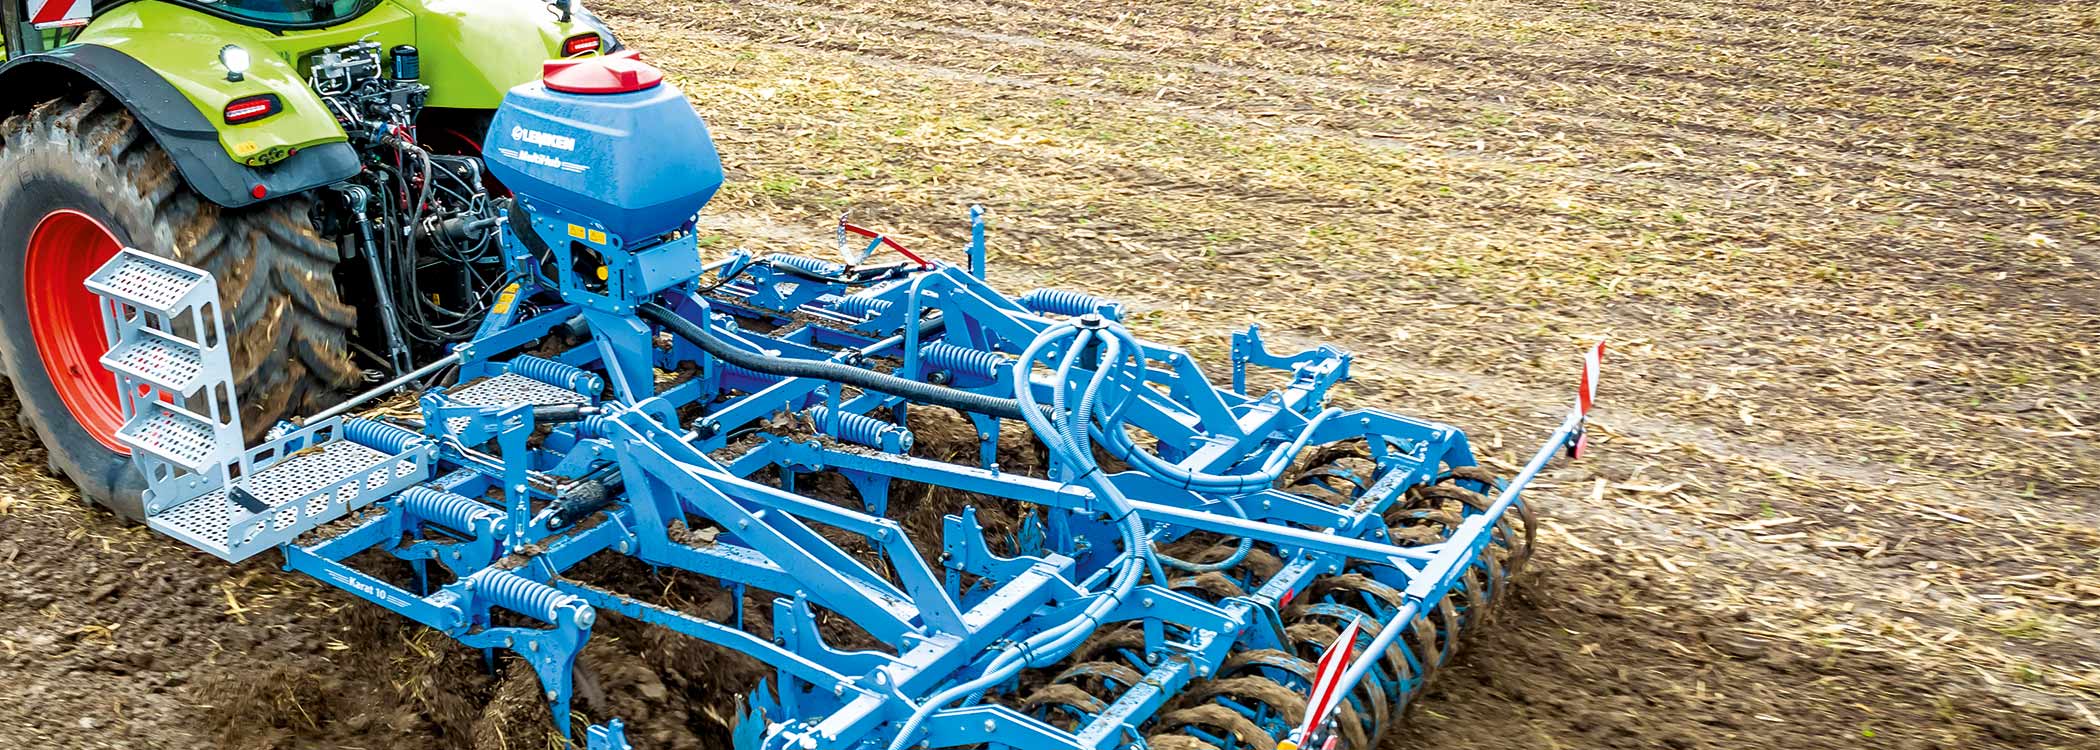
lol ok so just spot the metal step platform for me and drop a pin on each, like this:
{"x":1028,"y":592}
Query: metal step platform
{"x":509,"y":389}
{"x":161,"y":360}
{"x":307,"y":488}
{"x":175,"y":381}
{"x":512,"y":388}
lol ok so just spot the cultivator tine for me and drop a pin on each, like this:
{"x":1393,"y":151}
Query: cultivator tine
{"x":1165,"y":561}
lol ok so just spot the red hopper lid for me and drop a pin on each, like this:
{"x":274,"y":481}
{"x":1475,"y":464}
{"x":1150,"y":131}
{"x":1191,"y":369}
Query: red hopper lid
{"x":621,"y":72}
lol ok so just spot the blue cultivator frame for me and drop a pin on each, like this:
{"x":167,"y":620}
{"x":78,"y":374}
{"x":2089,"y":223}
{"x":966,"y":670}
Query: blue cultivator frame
{"x":631,"y":443}
{"x":1184,"y":555}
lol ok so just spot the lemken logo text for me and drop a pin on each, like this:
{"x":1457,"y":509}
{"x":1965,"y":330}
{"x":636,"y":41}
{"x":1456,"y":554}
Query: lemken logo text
{"x":538,"y":138}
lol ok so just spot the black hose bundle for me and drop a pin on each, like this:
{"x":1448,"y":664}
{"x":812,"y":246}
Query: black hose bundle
{"x":1004,"y":408}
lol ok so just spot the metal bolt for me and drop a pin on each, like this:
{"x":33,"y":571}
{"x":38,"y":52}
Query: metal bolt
{"x":743,"y":523}
{"x":1145,"y":602}
{"x":550,"y":695}
{"x":809,"y":742}
{"x":533,"y":647}
{"x":990,"y":726}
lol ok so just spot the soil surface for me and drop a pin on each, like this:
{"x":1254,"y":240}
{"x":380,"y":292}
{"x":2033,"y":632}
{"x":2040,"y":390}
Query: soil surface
{"x":1845,"y":485}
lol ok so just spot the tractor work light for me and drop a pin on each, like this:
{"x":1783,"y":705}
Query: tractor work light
{"x":251,"y":108}
{"x":580,"y":44}
{"x":236,"y":61}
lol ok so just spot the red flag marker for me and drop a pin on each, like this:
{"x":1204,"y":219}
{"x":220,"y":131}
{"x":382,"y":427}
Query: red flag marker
{"x":1327,"y":681}
{"x":1592,"y":363}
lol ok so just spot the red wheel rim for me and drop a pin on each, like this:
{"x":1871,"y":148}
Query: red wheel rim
{"x":66,"y":319}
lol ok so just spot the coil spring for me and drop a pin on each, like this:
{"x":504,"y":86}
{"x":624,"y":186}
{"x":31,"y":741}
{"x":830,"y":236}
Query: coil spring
{"x":557,"y":374}
{"x":941,"y":355}
{"x":450,"y":509}
{"x":860,"y":428}
{"x":595,"y":426}
{"x":1065,"y":302}
{"x":379,"y":436}
{"x":525,"y":596}
{"x":805,"y":264}
{"x":862,"y":306}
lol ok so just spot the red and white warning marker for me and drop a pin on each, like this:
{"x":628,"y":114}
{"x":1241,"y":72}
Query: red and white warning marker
{"x":59,"y":14}
{"x":1326,"y":688}
{"x":1592,"y":363}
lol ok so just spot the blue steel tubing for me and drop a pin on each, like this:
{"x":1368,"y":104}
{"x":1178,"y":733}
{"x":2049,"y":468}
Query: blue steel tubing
{"x":452,"y":510}
{"x":557,"y":374}
{"x":379,"y":436}
{"x":1057,"y":641}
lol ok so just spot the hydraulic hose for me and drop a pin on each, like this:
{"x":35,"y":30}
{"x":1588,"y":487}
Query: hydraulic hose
{"x":1112,"y":436}
{"x":1059,"y":640}
{"x":1004,"y":408}
{"x":1238,"y":555}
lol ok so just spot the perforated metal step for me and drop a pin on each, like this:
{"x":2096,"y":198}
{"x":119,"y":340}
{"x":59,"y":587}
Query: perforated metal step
{"x":174,"y":435}
{"x":288,"y":498}
{"x":146,"y":282}
{"x":162,"y":360}
{"x":511,"y":388}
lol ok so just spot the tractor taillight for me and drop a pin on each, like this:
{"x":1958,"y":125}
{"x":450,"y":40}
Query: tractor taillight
{"x":579,"y":44}
{"x":251,"y":108}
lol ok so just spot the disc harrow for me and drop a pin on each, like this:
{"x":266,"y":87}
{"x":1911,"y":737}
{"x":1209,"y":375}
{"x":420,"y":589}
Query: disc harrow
{"x":1193,"y":565}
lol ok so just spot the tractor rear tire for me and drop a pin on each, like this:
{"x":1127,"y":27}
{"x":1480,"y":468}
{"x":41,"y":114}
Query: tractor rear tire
{"x":80,"y":178}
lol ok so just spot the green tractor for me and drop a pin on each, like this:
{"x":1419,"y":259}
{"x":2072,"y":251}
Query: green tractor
{"x":320,"y":157}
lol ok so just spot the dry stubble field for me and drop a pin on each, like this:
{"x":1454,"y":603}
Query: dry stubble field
{"x":1847,"y":255}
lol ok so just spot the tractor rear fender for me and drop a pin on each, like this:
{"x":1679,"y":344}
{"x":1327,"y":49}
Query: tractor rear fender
{"x":191,"y":139}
